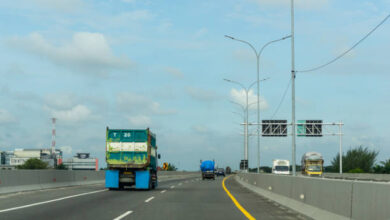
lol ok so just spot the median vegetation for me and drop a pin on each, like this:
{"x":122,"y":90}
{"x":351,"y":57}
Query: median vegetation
{"x":360,"y":160}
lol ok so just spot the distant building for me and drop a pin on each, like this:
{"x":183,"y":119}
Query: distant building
{"x":11,"y":159}
{"x":81,"y":161}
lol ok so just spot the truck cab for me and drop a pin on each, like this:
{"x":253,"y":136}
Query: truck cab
{"x":312,"y":164}
{"x":281,"y":166}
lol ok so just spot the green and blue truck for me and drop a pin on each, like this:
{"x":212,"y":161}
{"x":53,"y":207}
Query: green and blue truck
{"x":131,"y":156}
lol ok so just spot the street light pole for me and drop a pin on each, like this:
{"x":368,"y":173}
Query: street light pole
{"x":293,"y":91}
{"x":258,"y":55}
{"x":246,"y":115}
{"x":245,"y":128}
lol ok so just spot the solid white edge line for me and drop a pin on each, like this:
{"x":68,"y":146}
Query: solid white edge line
{"x":123,"y":215}
{"x":148,"y":200}
{"x":163,"y":191}
{"x":49,"y":201}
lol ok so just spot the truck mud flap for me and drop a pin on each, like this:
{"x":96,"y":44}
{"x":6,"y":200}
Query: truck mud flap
{"x":112,"y":179}
{"x":142,"y":179}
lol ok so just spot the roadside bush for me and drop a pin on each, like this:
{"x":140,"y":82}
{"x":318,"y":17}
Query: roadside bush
{"x":33,"y":164}
{"x":356,"y":170}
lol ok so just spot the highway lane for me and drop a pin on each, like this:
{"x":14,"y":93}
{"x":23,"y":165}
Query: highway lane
{"x":103,"y":204}
{"x":207,"y":200}
{"x":189,"y":198}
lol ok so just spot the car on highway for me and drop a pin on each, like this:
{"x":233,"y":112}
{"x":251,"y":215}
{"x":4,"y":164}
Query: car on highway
{"x":220,"y":172}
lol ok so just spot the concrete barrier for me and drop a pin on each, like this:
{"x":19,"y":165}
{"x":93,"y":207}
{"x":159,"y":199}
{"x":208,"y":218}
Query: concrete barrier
{"x":26,"y":180}
{"x":322,"y":198}
{"x":359,"y":176}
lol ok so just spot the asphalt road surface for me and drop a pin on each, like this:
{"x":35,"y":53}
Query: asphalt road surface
{"x":190,"y":198}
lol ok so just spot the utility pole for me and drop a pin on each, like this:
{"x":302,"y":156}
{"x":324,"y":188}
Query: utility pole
{"x":293,"y":91}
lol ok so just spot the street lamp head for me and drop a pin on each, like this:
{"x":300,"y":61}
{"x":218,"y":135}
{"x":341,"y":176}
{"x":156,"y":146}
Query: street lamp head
{"x":284,"y":38}
{"x":227,"y":36}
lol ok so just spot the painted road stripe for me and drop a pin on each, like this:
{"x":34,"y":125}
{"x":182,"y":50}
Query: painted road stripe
{"x":53,"y":200}
{"x":172,"y":187}
{"x":148,"y":200}
{"x":249,"y":216}
{"x":163,"y":191}
{"x":123,"y":215}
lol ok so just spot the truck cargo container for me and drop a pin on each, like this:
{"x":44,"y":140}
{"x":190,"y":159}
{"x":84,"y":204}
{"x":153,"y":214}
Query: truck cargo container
{"x":312,"y":164}
{"x":131,"y":156}
{"x":208,"y":169}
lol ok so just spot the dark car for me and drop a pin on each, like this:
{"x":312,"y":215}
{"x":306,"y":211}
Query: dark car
{"x":220,"y":172}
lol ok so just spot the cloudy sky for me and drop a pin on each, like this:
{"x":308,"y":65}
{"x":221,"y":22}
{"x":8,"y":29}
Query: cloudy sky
{"x":161,"y":64}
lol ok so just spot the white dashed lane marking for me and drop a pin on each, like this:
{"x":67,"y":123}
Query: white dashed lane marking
{"x":123,"y":215}
{"x":148,"y":200}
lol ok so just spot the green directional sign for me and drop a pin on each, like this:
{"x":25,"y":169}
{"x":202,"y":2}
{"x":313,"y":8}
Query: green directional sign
{"x":309,"y":128}
{"x":301,"y":129}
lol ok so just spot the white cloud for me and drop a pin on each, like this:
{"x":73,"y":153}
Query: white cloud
{"x":202,"y":94}
{"x":302,"y":4}
{"x":135,"y":103}
{"x":88,"y":52}
{"x":139,"y":120}
{"x":239,"y":96}
{"x":77,"y":113}
{"x":6,"y":117}
{"x":60,"y":101}
{"x":174,"y":72}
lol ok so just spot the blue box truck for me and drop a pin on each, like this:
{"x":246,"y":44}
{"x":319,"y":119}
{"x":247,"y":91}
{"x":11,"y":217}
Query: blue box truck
{"x":208,"y":169}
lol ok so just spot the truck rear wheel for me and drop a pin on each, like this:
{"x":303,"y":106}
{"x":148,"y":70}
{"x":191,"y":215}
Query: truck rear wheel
{"x":150,"y":187}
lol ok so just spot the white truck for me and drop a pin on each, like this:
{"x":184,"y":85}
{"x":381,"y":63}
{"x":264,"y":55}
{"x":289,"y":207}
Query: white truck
{"x":280,"y":166}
